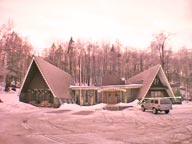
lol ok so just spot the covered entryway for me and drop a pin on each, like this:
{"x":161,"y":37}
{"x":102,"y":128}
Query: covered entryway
{"x":113,"y":98}
{"x":111,"y":95}
{"x":85,"y":95}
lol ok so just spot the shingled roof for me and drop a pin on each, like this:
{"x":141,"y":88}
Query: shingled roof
{"x":147,"y":77}
{"x":56,"y":79}
{"x":112,"y":79}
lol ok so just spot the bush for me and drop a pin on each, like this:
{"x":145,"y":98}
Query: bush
{"x":45,"y":104}
{"x":33,"y":103}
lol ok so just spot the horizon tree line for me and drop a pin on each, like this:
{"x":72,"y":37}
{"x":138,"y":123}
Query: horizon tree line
{"x":90,"y":60}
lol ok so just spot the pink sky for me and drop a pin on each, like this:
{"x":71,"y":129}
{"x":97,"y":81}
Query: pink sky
{"x":133,"y":22}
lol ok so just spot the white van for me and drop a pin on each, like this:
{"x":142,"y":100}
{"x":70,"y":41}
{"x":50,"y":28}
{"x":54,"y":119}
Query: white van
{"x":157,"y":104}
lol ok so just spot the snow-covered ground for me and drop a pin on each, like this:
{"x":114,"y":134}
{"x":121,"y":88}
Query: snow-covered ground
{"x":22,"y":123}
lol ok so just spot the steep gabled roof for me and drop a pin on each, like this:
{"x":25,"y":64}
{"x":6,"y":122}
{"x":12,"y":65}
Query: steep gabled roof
{"x":147,"y":77}
{"x":56,"y":79}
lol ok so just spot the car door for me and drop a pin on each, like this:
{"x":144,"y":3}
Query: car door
{"x":151,"y":104}
{"x":148,"y":104}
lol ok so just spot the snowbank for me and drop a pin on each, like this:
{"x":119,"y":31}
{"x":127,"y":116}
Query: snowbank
{"x":11,"y":102}
{"x":133,"y":103}
{"x":76,"y":107}
{"x":100,"y":106}
{"x":69,"y":107}
{"x":185,"y":104}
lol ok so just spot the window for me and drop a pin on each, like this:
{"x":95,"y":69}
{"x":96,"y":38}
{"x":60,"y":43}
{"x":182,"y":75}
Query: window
{"x":165,"y":101}
{"x":156,"y":94}
{"x":147,"y":101}
{"x":156,"y":101}
{"x":156,"y":81}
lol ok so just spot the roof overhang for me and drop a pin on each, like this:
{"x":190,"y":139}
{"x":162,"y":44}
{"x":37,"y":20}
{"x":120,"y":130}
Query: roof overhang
{"x":84,"y":88}
{"x":107,"y":88}
{"x":111,"y":89}
{"x":123,"y":86}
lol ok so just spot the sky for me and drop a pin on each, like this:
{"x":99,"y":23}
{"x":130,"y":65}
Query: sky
{"x":133,"y":22}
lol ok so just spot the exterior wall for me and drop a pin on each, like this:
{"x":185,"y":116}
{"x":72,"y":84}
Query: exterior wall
{"x":111,"y":97}
{"x":39,"y":95}
{"x":134,"y":94}
{"x":126,"y":95}
{"x":87,"y":97}
{"x":157,"y":89}
{"x":36,"y":90}
{"x":130,"y":95}
{"x":157,"y":93}
{"x":38,"y":82}
{"x":91,"y":97}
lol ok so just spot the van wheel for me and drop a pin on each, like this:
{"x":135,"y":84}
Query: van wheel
{"x":155,"y":111}
{"x":166,"y":111}
{"x":143,"y":108}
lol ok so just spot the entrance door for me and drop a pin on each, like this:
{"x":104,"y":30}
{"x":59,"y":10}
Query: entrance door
{"x":112,"y":98}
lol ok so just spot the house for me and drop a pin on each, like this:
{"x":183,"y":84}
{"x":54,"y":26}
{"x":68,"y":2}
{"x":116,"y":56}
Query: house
{"x":45,"y":82}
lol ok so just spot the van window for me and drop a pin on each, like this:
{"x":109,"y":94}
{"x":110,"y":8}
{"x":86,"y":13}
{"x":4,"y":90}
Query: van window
{"x":156,"y":101}
{"x":165,"y":101}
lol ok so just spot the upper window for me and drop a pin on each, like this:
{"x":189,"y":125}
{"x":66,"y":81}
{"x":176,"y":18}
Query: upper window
{"x":156,"y":81}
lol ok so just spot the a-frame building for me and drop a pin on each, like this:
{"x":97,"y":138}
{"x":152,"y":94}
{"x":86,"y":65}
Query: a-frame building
{"x":154,"y":83}
{"x":45,"y":82}
{"x":47,"y":85}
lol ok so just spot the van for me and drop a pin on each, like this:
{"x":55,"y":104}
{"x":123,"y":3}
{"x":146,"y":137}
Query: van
{"x":156,"y":105}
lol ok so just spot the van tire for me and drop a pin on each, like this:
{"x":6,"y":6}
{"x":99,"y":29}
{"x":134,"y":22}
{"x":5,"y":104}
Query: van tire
{"x":166,"y":111}
{"x":154,"y":111}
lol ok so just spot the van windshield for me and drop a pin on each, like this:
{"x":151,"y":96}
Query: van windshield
{"x":165,"y":101}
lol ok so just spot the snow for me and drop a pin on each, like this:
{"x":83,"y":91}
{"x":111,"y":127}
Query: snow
{"x":100,"y":106}
{"x":23,"y":123}
{"x":11,"y":102}
{"x":76,"y":107}
{"x":134,"y":103}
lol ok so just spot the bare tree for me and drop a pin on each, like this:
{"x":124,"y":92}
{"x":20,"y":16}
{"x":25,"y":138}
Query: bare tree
{"x":16,"y":57}
{"x":159,"y":42}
